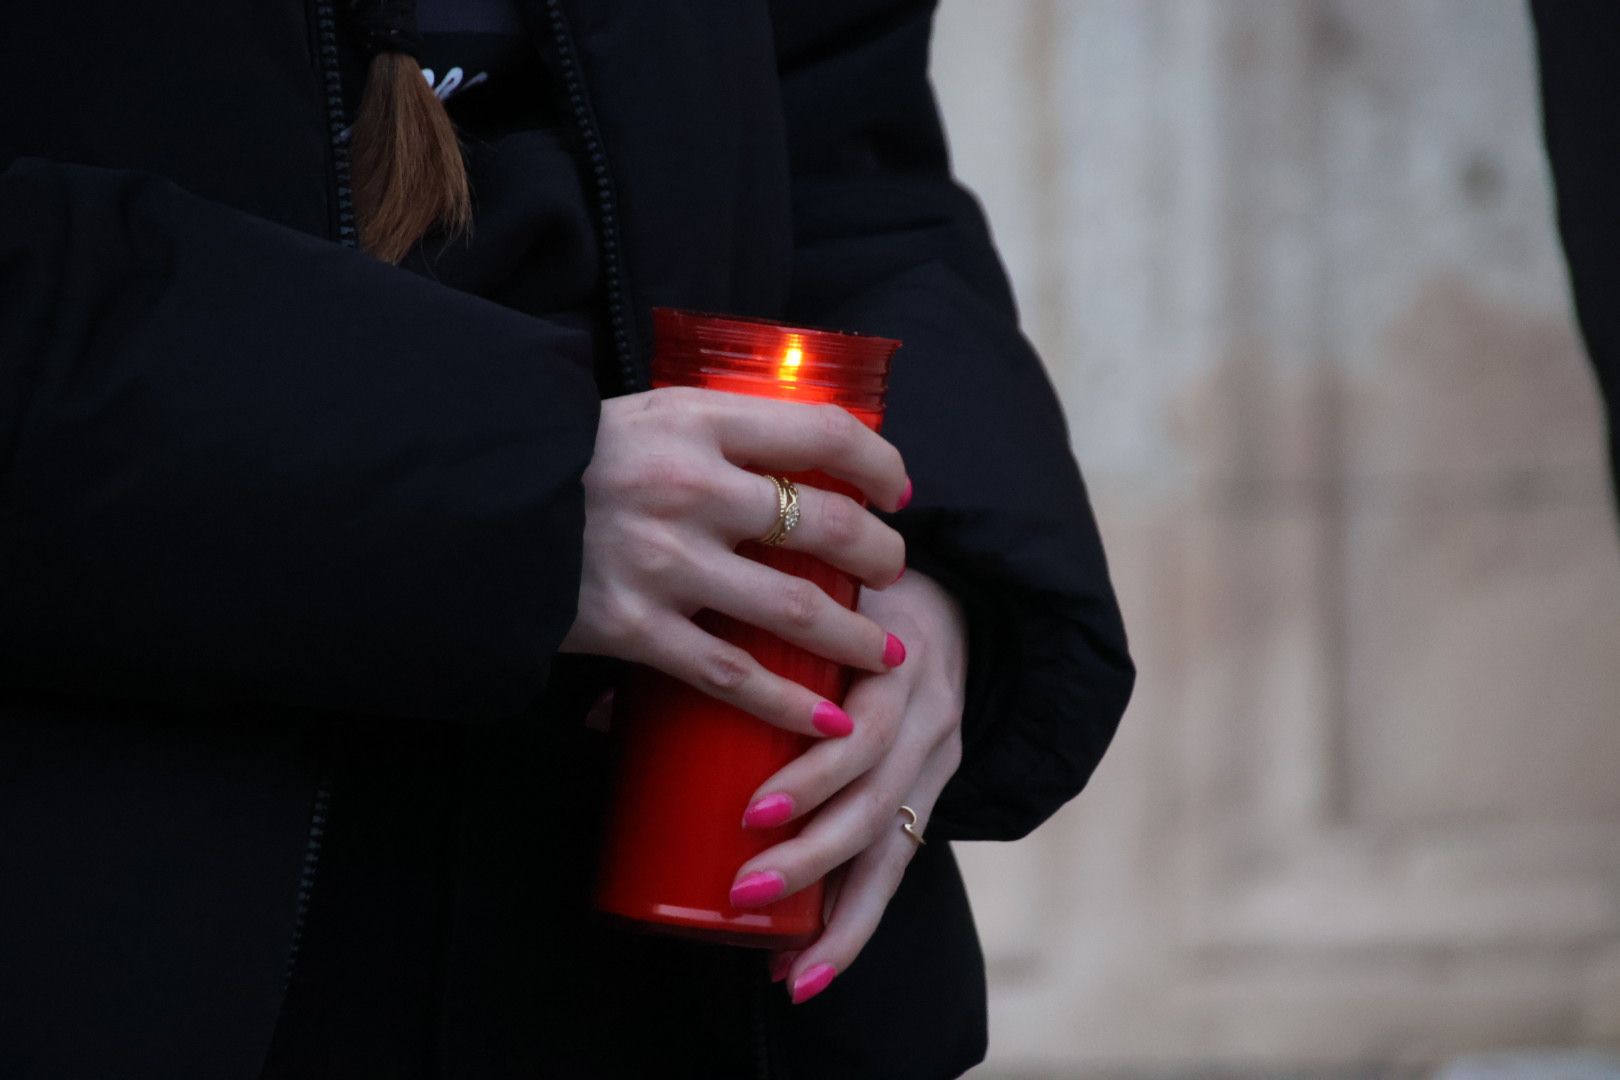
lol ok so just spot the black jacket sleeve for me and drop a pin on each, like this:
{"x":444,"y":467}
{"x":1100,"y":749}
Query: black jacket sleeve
{"x":238,"y":463}
{"x":888,"y":243}
{"x":1577,"y":43}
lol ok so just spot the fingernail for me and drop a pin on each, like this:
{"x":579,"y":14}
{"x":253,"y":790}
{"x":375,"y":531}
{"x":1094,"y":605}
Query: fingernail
{"x":894,"y":651}
{"x":905,"y":496}
{"x":780,"y":965}
{"x":898,"y":576}
{"x":760,"y":887}
{"x":768,"y":812}
{"x":812,"y":982}
{"x":831,"y":720}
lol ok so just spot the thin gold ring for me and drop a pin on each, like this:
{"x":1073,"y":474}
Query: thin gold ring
{"x":911,"y":826}
{"x":787,"y":511}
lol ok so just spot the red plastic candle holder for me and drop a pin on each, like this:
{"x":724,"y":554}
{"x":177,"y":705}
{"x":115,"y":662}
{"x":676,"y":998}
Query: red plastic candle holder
{"x":686,"y":764}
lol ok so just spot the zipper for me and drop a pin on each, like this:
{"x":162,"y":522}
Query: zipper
{"x":757,"y":989}
{"x":307,"y":871}
{"x":336,"y":126}
{"x":616,"y":273}
{"x":348,"y":236}
{"x":625,"y":351}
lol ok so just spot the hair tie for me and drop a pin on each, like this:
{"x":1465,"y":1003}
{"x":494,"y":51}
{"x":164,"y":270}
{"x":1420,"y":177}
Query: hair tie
{"x":386,"y":26}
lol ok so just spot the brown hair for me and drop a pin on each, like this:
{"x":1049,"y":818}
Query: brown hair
{"x":409,"y":177}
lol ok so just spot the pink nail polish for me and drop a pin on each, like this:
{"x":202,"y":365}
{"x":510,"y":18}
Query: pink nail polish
{"x":768,"y":812}
{"x":812,"y":982}
{"x":894,"y":651}
{"x":898,"y":576}
{"x":760,"y":887}
{"x":829,"y":719}
{"x":780,"y":965}
{"x":905,"y":496}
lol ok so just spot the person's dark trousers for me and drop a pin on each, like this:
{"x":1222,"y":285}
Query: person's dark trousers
{"x":1578,"y":44}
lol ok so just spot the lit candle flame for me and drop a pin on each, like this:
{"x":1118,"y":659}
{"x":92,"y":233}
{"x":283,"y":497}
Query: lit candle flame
{"x":792,"y":357}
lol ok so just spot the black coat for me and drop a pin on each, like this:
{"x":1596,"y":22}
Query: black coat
{"x":1577,"y":43}
{"x":269,"y":509}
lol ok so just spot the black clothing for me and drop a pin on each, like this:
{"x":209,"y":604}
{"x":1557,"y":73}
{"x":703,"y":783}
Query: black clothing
{"x":534,"y":247}
{"x":371,"y":965}
{"x":483,"y":65}
{"x":1577,"y":43}
{"x":288,"y":539}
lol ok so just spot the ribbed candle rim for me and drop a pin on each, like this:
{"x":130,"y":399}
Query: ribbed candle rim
{"x":854,"y":367}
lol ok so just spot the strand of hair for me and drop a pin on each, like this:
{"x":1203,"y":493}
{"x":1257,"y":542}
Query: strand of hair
{"x":409,"y":176}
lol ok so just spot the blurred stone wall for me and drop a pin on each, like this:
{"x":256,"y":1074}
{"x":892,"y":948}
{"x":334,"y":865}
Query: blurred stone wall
{"x":1292,"y":266}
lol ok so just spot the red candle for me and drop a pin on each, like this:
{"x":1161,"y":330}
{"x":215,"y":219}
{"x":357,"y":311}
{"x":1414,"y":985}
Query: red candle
{"x":686,"y":764}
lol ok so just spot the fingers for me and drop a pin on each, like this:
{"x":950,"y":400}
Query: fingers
{"x":869,"y":885}
{"x":864,"y":888}
{"x":742,"y":505}
{"x":833,"y":527}
{"x":788,"y":436}
{"x":722,"y":670}
{"x":825,"y":769}
{"x":861,"y":815}
{"x":796,"y":610}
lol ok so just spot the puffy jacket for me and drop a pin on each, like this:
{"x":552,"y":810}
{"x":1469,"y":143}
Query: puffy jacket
{"x":273,"y":514}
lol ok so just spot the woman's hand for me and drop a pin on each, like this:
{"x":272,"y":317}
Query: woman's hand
{"x":667,"y":501}
{"x":907,"y":744}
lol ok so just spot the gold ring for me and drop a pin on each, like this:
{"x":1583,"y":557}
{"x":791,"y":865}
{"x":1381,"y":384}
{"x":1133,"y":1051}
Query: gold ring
{"x":911,"y":826}
{"x":787,"y":511}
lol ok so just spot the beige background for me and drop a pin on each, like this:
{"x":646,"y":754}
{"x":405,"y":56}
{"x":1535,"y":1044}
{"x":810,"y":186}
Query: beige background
{"x":1292,"y":266}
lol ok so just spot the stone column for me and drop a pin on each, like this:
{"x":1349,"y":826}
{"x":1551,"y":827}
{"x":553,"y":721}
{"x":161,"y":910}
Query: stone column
{"x":1292,"y":266}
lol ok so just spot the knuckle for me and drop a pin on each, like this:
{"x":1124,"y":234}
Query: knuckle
{"x":836,"y":427}
{"x":659,"y":407}
{"x":885,"y":732}
{"x":655,"y":473}
{"x":724,"y":668}
{"x":841,"y":520}
{"x":878,"y":726}
{"x":671,"y":485}
{"x":940,"y":718}
{"x":653,"y":552}
{"x":630,"y":621}
{"x":672,"y":414}
{"x":875,"y":809}
{"x":672,"y":400}
{"x":801,"y":603}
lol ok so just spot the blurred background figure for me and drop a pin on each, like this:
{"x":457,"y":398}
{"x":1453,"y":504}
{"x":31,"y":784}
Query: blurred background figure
{"x":1295,"y":270}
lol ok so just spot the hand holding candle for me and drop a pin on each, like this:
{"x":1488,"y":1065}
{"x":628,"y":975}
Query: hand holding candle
{"x":907,"y":745}
{"x":667,"y":501}
{"x":774,"y":637}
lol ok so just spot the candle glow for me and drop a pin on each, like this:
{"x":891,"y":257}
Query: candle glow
{"x":792,"y":357}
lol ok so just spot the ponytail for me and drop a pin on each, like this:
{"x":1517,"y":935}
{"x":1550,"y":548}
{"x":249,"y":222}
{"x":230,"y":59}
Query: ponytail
{"x":409,"y":177}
